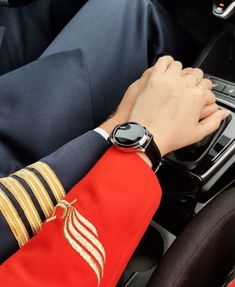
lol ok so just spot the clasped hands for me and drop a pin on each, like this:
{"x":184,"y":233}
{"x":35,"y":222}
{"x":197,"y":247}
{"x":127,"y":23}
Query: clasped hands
{"x":176,"y":105}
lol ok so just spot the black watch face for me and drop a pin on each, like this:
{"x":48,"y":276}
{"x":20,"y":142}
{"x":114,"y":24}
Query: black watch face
{"x":129,"y":134}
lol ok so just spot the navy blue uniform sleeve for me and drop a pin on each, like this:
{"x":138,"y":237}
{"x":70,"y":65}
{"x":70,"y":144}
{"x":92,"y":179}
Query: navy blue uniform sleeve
{"x":72,"y":161}
{"x":28,"y":196}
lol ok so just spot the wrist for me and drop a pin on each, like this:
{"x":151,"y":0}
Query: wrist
{"x":131,"y":137}
{"x":158,"y":137}
{"x":110,"y":124}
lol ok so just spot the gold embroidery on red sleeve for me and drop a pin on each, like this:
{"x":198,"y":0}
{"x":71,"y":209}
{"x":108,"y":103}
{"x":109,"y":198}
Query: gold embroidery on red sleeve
{"x":82,"y":236}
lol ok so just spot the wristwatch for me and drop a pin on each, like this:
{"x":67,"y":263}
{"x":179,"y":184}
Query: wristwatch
{"x":133,"y":137}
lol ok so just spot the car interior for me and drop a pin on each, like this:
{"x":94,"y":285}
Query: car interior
{"x":195,"y":179}
{"x":193,"y":176}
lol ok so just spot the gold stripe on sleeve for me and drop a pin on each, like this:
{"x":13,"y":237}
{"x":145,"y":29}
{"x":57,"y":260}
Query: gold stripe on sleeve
{"x":51,"y":178}
{"x":14,"y":221}
{"x":24,"y":200}
{"x":38,"y":189}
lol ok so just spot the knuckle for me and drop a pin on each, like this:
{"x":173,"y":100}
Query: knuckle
{"x":133,"y":86}
{"x":211,"y":96}
{"x":166,"y":58}
{"x":188,"y":70}
{"x":208,"y":83}
{"x":198,"y":71}
{"x":147,"y":72}
{"x":178,"y":63}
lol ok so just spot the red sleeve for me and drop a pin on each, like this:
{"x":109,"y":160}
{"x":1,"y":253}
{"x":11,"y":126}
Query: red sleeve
{"x":92,"y":244}
{"x":232,"y":284}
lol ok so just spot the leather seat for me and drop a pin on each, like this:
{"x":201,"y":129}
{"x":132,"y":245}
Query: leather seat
{"x":204,"y":253}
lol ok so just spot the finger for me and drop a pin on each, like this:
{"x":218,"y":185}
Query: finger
{"x":208,"y":110}
{"x":211,"y":123}
{"x":186,"y":71}
{"x":198,"y":73}
{"x":192,"y":77}
{"x":175,"y":68}
{"x":162,"y":64}
{"x":206,"y":84}
{"x":189,"y":80}
{"x":147,"y":73}
{"x":208,"y":98}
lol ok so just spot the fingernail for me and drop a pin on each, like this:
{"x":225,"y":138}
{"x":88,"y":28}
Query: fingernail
{"x":226,"y":114}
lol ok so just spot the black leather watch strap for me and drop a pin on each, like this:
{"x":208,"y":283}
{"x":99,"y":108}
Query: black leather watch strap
{"x":152,"y":151}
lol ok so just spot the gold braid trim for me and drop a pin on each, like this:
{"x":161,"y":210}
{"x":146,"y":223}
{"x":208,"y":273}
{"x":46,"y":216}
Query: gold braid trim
{"x":14,"y":221}
{"x":51,"y":179}
{"x":38,"y":189}
{"x":25,"y":202}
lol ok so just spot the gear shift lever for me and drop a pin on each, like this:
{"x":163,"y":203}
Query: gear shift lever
{"x":223,"y":8}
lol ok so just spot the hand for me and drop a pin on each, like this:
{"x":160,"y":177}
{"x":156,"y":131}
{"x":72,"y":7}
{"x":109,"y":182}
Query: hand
{"x":125,"y":108}
{"x":174,"y":108}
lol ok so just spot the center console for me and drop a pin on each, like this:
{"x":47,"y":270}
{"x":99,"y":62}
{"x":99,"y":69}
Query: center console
{"x":217,"y":61}
{"x":199,"y":172}
{"x":191,"y":176}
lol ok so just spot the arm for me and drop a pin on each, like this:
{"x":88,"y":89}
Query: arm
{"x":176,"y":90}
{"x":29,"y":195}
{"x":118,"y":197}
{"x":32,"y":192}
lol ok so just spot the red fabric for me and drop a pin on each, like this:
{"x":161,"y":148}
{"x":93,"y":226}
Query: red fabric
{"x":232,"y":284}
{"x":119,"y":196}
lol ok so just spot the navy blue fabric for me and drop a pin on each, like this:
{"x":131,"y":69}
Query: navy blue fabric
{"x":77,"y":83}
{"x":28,"y":33}
{"x":47,"y":103}
{"x":72,"y":161}
{"x":8,"y":242}
{"x":50,"y":106}
{"x":30,"y":29}
{"x":119,"y":40}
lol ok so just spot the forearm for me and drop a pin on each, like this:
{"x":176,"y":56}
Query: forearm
{"x":118,"y":197}
{"x":29,"y":195}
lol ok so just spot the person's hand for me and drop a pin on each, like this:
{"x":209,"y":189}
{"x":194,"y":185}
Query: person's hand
{"x":176,"y":106}
{"x":125,"y":108}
